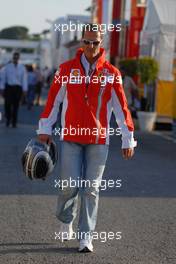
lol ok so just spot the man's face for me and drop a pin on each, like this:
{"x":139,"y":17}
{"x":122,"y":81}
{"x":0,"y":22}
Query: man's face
{"x":92,"y":49}
{"x":16,"y":58}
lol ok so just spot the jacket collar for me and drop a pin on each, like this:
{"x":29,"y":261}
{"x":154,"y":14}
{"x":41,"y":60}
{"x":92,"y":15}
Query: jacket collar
{"x":100,"y":61}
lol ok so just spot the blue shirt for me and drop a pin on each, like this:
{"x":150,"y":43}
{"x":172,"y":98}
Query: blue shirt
{"x":32,"y":78}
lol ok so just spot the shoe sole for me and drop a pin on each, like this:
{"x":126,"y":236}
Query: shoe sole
{"x":85,"y":250}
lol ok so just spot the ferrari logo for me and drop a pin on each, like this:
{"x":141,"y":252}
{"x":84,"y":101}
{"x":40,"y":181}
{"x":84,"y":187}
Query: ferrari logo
{"x":75,"y":72}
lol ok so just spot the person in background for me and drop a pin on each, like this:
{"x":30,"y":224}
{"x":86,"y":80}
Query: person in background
{"x":32,"y":82}
{"x":39,"y":85}
{"x":0,"y":86}
{"x":131,"y":91}
{"x":1,"y":66}
{"x":13,"y":86}
{"x":47,"y":74}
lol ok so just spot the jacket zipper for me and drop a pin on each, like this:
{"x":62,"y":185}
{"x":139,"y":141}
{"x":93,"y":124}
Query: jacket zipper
{"x":87,"y":86}
{"x":99,"y":103}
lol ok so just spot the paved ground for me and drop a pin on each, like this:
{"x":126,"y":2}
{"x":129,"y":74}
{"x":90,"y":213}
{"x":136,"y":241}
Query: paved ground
{"x":143,"y":209}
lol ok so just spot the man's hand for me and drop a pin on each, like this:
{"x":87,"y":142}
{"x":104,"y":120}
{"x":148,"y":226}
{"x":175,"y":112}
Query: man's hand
{"x":128,"y":153}
{"x":45,"y":138}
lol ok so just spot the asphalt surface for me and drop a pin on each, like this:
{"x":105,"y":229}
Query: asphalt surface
{"x":143,"y":209}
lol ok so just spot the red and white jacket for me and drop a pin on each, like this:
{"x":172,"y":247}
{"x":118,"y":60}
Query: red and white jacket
{"x":87,"y":105}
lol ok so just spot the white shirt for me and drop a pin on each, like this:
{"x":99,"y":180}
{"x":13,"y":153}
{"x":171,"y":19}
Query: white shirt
{"x":14,"y":75}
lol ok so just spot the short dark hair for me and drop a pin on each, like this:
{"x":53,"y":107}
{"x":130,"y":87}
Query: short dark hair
{"x":16,"y":53}
{"x":93,"y":27}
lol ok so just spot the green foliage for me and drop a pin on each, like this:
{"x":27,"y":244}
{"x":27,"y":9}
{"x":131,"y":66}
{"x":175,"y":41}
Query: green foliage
{"x":147,"y":69}
{"x":35,"y":37}
{"x":15,"y":32}
{"x":130,"y":66}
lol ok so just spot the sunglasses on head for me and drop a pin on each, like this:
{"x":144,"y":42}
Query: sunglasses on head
{"x":88,"y":42}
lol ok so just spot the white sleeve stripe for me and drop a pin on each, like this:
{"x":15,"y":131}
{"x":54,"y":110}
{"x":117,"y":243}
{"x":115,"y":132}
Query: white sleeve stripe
{"x":109,"y":114}
{"x":127,"y":136}
{"x":120,"y":118}
{"x":64,"y":109}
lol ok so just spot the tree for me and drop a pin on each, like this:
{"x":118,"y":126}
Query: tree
{"x":130,"y":65}
{"x":148,"y":71}
{"x":15,"y":32}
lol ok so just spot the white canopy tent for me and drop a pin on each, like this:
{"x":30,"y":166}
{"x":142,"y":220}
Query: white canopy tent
{"x":158,"y":37}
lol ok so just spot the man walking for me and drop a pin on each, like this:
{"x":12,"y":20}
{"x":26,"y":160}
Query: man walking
{"x":86,"y":112}
{"x":13,"y":83}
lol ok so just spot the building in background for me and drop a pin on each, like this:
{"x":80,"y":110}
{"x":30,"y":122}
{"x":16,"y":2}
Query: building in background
{"x":148,"y":29}
{"x":158,"y":35}
{"x":158,"y":40}
{"x":134,"y":27}
{"x":28,"y":49}
{"x":31,"y":52}
{"x":128,"y":13}
{"x":115,"y":36}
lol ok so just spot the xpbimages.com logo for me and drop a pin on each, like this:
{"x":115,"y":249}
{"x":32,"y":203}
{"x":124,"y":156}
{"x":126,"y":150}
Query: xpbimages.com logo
{"x":103,"y":236}
{"x":80,"y":79}
{"x":70,"y":26}
{"x":83,"y":183}
{"x":86,"y":131}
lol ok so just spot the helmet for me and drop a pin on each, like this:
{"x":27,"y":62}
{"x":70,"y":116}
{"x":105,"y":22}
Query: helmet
{"x":39,"y":159}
